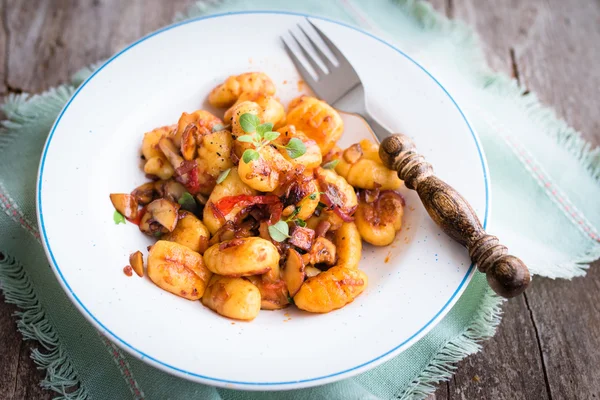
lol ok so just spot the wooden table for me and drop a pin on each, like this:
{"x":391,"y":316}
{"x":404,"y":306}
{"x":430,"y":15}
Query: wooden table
{"x":548,"y":345}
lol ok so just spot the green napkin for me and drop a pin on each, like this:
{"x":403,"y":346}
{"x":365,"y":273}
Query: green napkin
{"x":542,"y":174}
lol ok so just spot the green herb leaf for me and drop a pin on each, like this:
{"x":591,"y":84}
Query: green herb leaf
{"x":331,"y":164}
{"x":249,"y":122}
{"x":279,"y":231}
{"x":250,"y":155}
{"x":295,"y":148}
{"x":218,"y":127}
{"x":290,"y":299}
{"x":264,"y":128}
{"x":271,"y":135}
{"x":313,"y":196}
{"x":295,"y":212}
{"x":292,"y":216}
{"x":118,"y":218}
{"x":187,"y":201}
{"x":223,"y":175}
{"x":157,"y":234}
{"x":245,"y":139}
{"x":301,"y":223}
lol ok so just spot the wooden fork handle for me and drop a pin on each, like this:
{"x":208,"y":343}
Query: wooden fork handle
{"x":507,"y":275}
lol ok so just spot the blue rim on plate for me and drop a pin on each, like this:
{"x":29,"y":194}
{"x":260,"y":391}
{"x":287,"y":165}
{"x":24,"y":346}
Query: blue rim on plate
{"x":167,"y":367}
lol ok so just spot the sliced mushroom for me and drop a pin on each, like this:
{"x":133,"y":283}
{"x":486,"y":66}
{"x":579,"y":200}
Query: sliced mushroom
{"x":353,"y":153}
{"x":170,"y":190}
{"x":150,"y":227}
{"x":126,"y":204}
{"x":170,"y":151}
{"x":293,"y":274}
{"x":322,"y":252}
{"x":164,"y":212}
{"x":137,"y":263}
{"x":145,"y":193}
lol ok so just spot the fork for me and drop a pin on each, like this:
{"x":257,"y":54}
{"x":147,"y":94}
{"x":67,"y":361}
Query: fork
{"x":341,"y":86}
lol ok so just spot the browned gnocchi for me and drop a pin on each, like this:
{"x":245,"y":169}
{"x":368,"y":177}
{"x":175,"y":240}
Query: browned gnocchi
{"x":258,"y":208}
{"x":317,"y":119}
{"x":177,"y":269}
{"x":229,"y":91}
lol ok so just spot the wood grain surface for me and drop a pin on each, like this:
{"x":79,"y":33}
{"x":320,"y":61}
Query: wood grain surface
{"x":548,"y":344}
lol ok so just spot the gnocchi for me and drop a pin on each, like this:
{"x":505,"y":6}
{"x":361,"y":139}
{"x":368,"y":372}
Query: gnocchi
{"x":271,"y":109}
{"x":317,"y":119}
{"x":232,"y":297}
{"x":330,"y":290}
{"x":229,"y":91}
{"x":361,"y":166}
{"x":242,"y":257}
{"x":378,"y":219}
{"x":177,"y":269}
{"x":190,"y":232}
{"x":257,"y":208}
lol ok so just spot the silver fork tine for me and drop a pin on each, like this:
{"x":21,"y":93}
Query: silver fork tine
{"x":332,"y":47}
{"x":308,"y":56}
{"x":317,"y":48}
{"x":303,"y":71}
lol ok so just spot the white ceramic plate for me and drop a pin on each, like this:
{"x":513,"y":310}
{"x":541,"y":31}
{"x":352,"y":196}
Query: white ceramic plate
{"x":93,"y":150}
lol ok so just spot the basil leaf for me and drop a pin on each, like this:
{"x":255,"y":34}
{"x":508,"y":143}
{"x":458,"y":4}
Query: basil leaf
{"x":245,"y":139}
{"x":331,"y":164}
{"x":301,"y":223}
{"x":118,"y":218}
{"x":249,"y":122}
{"x":271,"y":135}
{"x":250,"y":155}
{"x":264,"y":128}
{"x":218,"y":127}
{"x":223,"y":175}
{"x":279,"y":231}
{"x":295,"y":148}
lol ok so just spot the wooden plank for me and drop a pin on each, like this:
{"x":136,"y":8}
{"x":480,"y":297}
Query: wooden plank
{"x":567,"y":316}
{"x":50,"y":40}
{"x":554,"y":59}
{"x":509,"y":366}
{"x":559,"y":60}
{"x":19,"y":376}
{"x":10,"y":341}
{"x":27,"y":382}
{"x":45,"y":43}
{"x":494,"y":372}
{"x":500,"y":24}
{"x":547,"y":46}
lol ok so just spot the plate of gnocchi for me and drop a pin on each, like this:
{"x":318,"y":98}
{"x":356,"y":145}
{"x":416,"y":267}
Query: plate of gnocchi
{"x":231,"y":228}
